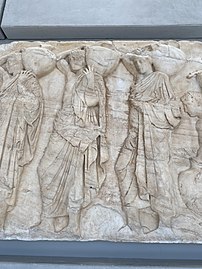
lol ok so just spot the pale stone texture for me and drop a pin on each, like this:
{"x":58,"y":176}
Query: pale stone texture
{"x":101,"y":141}
{"x":102,"y":19}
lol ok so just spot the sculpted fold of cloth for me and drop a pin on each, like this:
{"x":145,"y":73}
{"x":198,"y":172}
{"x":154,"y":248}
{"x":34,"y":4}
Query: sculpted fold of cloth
{"x":21,"y":109}
{"x":142,"y":166}
{"x":72,"y":168}
{"x":190,"y":180}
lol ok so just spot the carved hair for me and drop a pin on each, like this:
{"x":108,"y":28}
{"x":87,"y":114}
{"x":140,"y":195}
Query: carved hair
{"x":77,"y":52}
{"x":16,"y":56}
{"x":136,"y":57}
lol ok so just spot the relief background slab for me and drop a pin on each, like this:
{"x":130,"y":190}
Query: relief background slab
{"x":78,"y":142}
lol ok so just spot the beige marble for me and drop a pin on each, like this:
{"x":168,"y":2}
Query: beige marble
{"x":101,"y":141}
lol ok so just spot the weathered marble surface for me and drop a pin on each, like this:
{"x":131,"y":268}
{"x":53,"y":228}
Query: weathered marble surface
{"x":101,"y":141}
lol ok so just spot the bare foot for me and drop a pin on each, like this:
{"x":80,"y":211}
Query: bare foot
{"x":60,"y":223}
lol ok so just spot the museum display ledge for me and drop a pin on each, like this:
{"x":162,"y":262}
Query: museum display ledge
{"x":93,"y":19}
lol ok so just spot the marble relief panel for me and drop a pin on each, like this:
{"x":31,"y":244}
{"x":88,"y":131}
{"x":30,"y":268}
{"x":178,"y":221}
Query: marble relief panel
{"x":101,"y":141}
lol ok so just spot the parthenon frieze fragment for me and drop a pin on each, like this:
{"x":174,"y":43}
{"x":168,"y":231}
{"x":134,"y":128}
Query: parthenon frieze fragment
{"x":101,"y":141}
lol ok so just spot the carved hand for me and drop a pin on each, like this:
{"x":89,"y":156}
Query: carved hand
{"x":89,"y":72}
{"x":193,"y":74}
{"x":25,"y":76}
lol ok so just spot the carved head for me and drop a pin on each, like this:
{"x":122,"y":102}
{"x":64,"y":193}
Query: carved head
{"x":14,"y":64}
{"x":143,"y":64}
{"x":77,"y":59}
{"x":192,"y":102}
{"x":198,"y":75}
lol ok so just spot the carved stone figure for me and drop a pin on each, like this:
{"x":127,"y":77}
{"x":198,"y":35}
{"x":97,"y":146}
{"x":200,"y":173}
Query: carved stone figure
{"x":21,"y":108}
{"x":190,"y":181}
{"x":143,"y":163}
{"x":72,"y":170}
{"x":101,"y":140}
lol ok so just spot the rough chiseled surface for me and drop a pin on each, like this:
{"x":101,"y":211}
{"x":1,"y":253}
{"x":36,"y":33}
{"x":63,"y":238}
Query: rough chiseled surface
{"x":101,"y":141}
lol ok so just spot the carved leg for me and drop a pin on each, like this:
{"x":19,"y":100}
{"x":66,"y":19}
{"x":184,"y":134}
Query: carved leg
{"x":74,"y":222}
{"x":149,"y":220}
{"x":3,"y":214}
{"x":164,"y":201}
{"x":125,"y":170}
{"x":60,"y":223}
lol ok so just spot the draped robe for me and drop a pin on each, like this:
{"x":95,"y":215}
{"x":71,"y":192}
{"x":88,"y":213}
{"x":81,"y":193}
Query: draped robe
{"x":73,"y":164}
{"x":146,"y":173}
{"x":20,"y":121}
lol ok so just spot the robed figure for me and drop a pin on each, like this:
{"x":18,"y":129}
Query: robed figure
{"x":143,"y":163}
{"x":72,"y":169}
{"x":21,"y":108}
